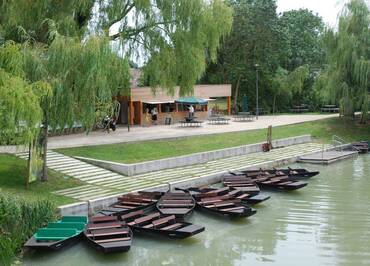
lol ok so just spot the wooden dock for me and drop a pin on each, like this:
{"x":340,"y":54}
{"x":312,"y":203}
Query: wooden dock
{"x":327,"y":157}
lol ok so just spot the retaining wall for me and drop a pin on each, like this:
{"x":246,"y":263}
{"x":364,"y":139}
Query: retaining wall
{"x":195,"y":158}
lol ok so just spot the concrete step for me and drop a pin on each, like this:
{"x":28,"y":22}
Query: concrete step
{"x":83,"y":169}
{"x":69,"y":166}
{"x":94,"y":173}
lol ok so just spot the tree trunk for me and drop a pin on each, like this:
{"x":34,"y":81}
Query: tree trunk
{"x":236,"y":92}
{"x":44,"y":176}
{"x":274,"y":105}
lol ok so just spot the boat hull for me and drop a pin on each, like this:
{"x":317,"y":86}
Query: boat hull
{"x":52,"y":245}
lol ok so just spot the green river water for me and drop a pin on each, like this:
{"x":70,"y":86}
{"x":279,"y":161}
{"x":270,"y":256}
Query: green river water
{"x":325,"y":223}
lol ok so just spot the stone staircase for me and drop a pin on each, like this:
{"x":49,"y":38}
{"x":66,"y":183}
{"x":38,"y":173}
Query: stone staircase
{"x":102,"y":182}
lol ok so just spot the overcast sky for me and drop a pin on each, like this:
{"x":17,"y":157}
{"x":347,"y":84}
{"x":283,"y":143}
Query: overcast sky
{"x":327,"y":9}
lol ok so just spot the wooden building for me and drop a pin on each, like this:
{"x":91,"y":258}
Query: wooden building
{"x":133,"y":108}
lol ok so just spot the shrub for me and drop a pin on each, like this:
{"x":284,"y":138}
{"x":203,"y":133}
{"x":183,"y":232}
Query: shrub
{"x":19,"y":219}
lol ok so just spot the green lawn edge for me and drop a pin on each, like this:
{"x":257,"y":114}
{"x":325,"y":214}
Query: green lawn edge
{"x":321,"y":130}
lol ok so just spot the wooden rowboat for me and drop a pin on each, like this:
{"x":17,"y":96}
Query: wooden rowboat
{"x":240,"y":182}
{"x":361,"y":147}
{"x":108,"y":234}
{"x":132,"y":202}
{"x":231,"y":193}
{"x":58,"y":235}
{"x":156,"y":223}
{"x":267,"y":182}
{"x":179,"y":203}
{"x":233,"y":208}
{"x":293,"y":174}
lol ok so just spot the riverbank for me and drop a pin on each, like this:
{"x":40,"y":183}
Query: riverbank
{"x":322,"y":131}
{"x":12,"y":173}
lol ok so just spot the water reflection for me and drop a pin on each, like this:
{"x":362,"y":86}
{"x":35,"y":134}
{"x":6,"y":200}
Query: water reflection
{"x":327,"y":223}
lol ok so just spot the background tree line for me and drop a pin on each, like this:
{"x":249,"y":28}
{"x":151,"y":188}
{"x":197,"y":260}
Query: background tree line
{"x":300,"y":60}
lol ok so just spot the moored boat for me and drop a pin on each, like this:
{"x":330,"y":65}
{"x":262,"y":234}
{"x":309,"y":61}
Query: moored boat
{"x":58,"y":235}
{"x":361,"y":147}
{"x":267,"y":181}
{"x":217,"y":202}
{"x":293,"y":174}
{"x":156,"y":223}
{"x":108,"y":234}
{"x":231,"y":193}
{"x":132,"y":202}
{"x":179,"y":203}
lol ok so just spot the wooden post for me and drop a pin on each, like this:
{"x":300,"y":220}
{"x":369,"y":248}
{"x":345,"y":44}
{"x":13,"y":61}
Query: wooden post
{"x":229,"y":105}
{"x":269,"y":137}
{"x":159,"y":108}
{"x":176,"y":107}
{"x":140,"y":112}
{"x":131,"y":103}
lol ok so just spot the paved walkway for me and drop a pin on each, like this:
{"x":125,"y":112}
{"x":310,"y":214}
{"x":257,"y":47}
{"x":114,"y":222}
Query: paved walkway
{"x":173,"y":131}
{"x":101,"y":182}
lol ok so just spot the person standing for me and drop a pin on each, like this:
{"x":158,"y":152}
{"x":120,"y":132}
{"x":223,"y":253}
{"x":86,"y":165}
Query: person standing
{"x":191,"y":112}
{"x":154,"y":115}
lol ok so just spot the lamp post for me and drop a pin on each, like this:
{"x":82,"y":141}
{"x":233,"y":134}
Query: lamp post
{"x":257,"y":110}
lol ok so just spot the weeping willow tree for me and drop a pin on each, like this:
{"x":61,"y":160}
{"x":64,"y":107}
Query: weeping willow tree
{"x":286,"y":84}
{"x":80,"y":49}
{"x":346,"y":80}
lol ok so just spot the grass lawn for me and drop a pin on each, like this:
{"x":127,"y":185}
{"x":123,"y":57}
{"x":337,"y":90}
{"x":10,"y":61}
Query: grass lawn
{"x":321,"y":130}
{"x":13,"y":171}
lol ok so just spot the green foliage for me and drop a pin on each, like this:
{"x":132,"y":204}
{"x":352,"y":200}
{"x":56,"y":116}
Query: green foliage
{"x":275,"y":42}
{"x":346,"y":79}
{"x":83,"y":77}
{"x":304,"y":32}
{"x":19,"y":219}
{"x":20,"y":113}
{"x":286,"y":84}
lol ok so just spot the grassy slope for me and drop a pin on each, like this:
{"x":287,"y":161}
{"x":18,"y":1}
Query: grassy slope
{"x":12,"y":173}
{"x":135,"y":152}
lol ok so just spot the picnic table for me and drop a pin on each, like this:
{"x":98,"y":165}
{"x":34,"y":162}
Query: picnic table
{"x":191,"y":123}
{"x":244,"y":117}
{"x":329,"y":109}
{"x":299,"y":108}
{"x":218,"y":120}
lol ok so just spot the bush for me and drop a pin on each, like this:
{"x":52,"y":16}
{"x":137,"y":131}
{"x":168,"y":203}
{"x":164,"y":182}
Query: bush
{"x":19,"y":219}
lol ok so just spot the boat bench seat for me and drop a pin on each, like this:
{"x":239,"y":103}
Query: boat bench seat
{"x":172,"y":226}
{"x":103,"y":226}
{"x":206,"y":201}
{"x":108,"y":234}
{"x":97,"y":219}
{"x":144,"y":219}
{"x":160,"y":221}
{"x":177,"y":201}
{"x":175,"y":210}
{"x":132,"y":214}
{"x":169,"y":205}
{"x":243,"y":196}
{"x":113,"y":240}
{"x":285,"y":183}
{"x":54,"y":233}
{"x":78,"y":226}
{"x":234,"y":208}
